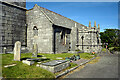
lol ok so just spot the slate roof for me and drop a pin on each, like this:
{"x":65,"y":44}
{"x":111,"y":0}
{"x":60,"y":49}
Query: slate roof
{"x":58,"y":19}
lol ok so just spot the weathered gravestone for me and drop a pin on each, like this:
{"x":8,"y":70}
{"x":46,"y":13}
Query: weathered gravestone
{"x":35,"y":50}
{"x":17,"y":51}
{"x":4,"y":50}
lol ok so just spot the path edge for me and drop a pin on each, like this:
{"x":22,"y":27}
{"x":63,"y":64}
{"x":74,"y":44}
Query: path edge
{"x":71,"y":69}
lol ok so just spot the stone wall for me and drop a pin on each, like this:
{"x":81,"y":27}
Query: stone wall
{"x":44,"y":38}
{"x":91,"y":41}
{"x":21,"y":4}
{"x":13,"y":25}
{"x":1,"y":27}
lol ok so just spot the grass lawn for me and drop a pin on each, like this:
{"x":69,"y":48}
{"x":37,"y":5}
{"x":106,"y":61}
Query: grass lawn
{"x":25,"y":71}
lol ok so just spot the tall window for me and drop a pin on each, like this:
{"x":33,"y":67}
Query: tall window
{"x":63,"y":37}
{"x":35,"y":31}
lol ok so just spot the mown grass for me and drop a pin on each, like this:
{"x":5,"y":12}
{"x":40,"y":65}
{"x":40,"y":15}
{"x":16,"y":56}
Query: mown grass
{"x":22,"y":70}
{"x":25,"y":71}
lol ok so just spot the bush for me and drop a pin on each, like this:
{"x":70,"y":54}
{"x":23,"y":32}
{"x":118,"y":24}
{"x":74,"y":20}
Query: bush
{"x":114,"y":49}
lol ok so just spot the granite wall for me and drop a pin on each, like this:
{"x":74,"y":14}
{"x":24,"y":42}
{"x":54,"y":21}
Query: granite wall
{"x":91,"y":40}
{"x":13,"y":25}
{"x":44,"y":38}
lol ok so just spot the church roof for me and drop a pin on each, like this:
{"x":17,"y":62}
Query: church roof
{"x":58,"y":19}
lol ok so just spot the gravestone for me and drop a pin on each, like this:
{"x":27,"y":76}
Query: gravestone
{"x":4,"y":50}
{"x":35,"y":50}
{"x":17,"y":51}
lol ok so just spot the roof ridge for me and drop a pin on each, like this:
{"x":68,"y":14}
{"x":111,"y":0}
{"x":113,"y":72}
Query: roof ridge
{"x":61,"y":15}
{"x":58,"y":14}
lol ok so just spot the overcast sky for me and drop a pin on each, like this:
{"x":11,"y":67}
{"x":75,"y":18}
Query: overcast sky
{"x":104,"y":13}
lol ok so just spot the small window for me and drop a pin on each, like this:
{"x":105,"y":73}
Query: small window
{"x":35,"y":31}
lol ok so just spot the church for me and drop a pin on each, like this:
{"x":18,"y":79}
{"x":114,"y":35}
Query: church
{"x":52,"y":32}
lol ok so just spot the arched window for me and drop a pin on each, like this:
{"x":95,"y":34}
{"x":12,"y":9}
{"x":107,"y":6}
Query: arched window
{"x":35,"y":31}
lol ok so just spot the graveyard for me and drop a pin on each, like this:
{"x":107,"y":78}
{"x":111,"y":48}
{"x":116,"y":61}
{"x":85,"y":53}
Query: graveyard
{"x":17,"y":69}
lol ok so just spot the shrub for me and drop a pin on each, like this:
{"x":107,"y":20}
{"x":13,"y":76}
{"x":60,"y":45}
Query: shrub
{"x":114,"y":49}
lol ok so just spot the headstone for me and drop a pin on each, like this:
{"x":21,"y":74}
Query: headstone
{"x":17,"y":51}
{"x":35,"y":50}
{"x":4,"y":51}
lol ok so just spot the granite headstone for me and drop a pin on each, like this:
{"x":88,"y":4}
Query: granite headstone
{"x":17,"y":51}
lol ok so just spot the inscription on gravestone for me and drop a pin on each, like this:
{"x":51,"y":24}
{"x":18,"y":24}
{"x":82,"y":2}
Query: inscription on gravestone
{"x":35,"y":50}
{"x":17,"y":51}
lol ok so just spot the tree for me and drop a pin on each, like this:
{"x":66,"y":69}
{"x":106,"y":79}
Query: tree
{"x":110,"y":36}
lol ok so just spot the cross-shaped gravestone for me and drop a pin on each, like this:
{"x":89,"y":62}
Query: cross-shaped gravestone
{"x":17,"y":51}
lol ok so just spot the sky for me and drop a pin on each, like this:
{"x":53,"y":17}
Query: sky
{"x":104,"y":13}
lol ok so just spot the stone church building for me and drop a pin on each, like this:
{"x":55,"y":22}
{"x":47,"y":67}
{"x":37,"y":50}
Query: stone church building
{"x":52,"y":32}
